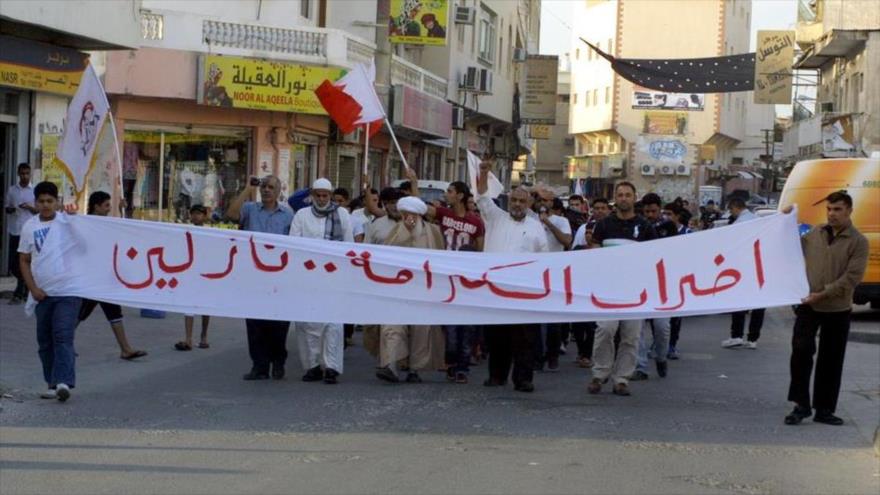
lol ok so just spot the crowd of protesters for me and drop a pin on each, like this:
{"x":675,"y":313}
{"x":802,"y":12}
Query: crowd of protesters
{"x":535,"y":220}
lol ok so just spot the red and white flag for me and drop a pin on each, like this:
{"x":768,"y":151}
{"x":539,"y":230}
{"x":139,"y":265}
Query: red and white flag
{"x":352,"y":101}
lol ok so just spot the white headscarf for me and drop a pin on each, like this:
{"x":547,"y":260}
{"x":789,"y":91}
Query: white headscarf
{"x":412,"y":204}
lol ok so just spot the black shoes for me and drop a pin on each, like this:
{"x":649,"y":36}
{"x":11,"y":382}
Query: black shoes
{"x":638,"y":376}
{"x":827,"y":418}
{"x":313,"y":375}
{"x":387,"y":375}
{"x":330,"y":376}
{"x":277,"y":371}
{"x":524,"y":387}
{"x":255,"y":375}
{"x":662,"y":368}
{"x":798,"y":414}
{"x":491,"y":382}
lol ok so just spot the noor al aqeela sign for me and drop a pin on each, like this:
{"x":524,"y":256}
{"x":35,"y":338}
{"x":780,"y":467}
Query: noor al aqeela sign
{"x":416,"y":110}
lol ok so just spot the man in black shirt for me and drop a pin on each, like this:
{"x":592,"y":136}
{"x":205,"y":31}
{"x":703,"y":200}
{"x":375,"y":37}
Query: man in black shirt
{"x":621,"y":227}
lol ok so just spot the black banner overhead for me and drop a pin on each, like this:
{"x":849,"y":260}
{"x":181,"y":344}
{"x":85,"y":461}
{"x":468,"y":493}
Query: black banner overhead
{"x":687,"y":75}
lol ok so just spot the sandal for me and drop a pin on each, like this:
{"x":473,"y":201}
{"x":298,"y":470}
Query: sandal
{"x":204,"y":345}
{"x":183,"y":346}
{"x":134,"y":355}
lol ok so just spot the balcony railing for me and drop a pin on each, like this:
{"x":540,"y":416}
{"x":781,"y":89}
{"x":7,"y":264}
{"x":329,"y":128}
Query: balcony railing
{"x":263,"y":38}
{"x":152,"y":26}
{"x":403,"y":72}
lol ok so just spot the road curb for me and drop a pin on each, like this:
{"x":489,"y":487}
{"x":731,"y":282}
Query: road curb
{"x":865,"y":337}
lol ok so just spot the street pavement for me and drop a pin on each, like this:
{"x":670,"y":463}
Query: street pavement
{"x":185,"y":422}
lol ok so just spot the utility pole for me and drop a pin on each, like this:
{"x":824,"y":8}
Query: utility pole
{"x":767,"y":158}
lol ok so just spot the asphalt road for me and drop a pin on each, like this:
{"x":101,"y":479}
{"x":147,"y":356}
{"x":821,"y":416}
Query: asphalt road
{"x":184,"y":422}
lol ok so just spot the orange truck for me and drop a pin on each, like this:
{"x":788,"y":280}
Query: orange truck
{"x":811,"y":181}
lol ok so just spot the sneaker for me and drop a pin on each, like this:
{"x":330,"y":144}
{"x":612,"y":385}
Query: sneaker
{"x":621,"y":389}
{"x":62,"y":392}
{"x":49,"y":394}
{"x":524,"y":387}
{"x":388,"y":375}
{"x":277,"y":371}
{"x":413,"y":377}
{"x":595,"y":386}
{"x":553,"y":365}
{"x":563,"y":348}
{"x":672,"y":354}
{"x":639,"y":376}
{"x":461,"y":377}
{"x":331,"y":376}
{"x":750,"y":345}
{"x":662,"y":368}
{"x":313,"y":375}
{"x":255,"y":375}
{"x":731,"y":343}
{"x":797,"y":415}
{"x":450,"y":374}
{"x":584,"y":362}
{"x":827,"y":418}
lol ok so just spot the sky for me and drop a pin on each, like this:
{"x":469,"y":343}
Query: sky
{"x":556,"y":26}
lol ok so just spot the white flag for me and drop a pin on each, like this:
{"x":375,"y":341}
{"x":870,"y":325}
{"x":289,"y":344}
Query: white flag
{"x":86,"y":117}
{"x":495,"y":187}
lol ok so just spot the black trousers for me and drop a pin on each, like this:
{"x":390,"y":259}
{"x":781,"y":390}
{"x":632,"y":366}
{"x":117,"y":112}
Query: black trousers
{"x":675,"y":330}
{"x":113,"y":312}
{"x":738,"y":324}
{"x":584,"y":336}
{"x":829,"y":364}
{"x":548,"y":343}
{"x":267,"y":343}
{"x":15,"y":269}
{"x":511,"y":344}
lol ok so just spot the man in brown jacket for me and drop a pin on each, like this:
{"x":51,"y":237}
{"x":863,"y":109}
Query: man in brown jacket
{"x":836,"y":255}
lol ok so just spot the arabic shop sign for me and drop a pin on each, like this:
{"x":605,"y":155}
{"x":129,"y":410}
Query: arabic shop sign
{"x":539,"y":98}
{"x":262,"y":85}
{"x":37,"y":66}
{"x":773,"y":59}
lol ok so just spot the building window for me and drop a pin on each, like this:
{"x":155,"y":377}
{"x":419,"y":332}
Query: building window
{"x":577,"y":53}
{"x":305,"y":8}
{"x":460,"y":32}
{"x":488,"y":23}
{"x":601,"y":147}
{"x":737,"y":160}
{"x":607,"y":94}
{"x":563,"y":98}
{"x":574,"y":98}
{"x":595,"y":97}
{"x":587,"y":98}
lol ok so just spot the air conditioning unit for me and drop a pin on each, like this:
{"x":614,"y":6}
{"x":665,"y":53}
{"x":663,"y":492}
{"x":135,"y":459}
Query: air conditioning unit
{"x":351,"y":137}
{"x":683,"y":170}
{"x":667,"y":170}
{"x":648,"y":170}
{"x":470,"y":79}
{"x":465,"y":15}
{"x":826,"y":107}
{"x":519,"y":54}
{"x":458,"y":117}
{"x":485,"y":81}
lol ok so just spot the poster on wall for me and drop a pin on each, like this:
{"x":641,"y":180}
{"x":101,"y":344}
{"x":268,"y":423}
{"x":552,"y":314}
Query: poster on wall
{"x":661,"y":122}
{"x":51,"y":172}
{"x":838,"y":137}
{"x":645,"y":98}
{"x":237,"y":82}
{"x":773,"y":58}
{"x":539,"y":97}
{"x":418,"y":22}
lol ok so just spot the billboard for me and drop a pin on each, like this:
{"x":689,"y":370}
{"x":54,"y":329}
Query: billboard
{"x":261,"y":85}
{"x":664,"y":122}
{"x":418,"y":22}
{"x":644,"y":98}
{"x":539,"y":98}
{"x":773,"y":59}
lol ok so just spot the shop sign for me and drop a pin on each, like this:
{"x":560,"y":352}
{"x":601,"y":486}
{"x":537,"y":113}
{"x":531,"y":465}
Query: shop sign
{"x":662,"y":122}
{"x":539,"y":98}
{"x":539,"y":131}
{"x":37,"y":66}
{"x":416,"y":110}
{"x":418,"y":22}
{"x":773,"y":59}
{"x":652,"y":99}
{"x":261,"y":84}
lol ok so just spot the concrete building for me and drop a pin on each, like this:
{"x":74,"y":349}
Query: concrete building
{"x":553,"y":143}
{"x":43,"y":51}
{"x":840,"y":50}
{"x":614,"y":133}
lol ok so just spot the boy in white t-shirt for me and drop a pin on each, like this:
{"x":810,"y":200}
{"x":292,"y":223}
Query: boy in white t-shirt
{"x":197,"y":216}
{"x":57,"y":316}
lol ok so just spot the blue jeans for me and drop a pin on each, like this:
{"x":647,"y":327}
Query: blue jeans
{"x":655,"y":337}
{"x":56,"y":320}
{"x":459,"y":339}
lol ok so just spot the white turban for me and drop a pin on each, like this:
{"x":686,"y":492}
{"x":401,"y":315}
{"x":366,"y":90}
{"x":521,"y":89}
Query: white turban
{"x":412,"y":204}
{"x":322,"y":184}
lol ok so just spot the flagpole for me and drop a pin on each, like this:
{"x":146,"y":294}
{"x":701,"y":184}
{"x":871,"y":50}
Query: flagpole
{"x":366,"y":152}
{"x":396,"y":144}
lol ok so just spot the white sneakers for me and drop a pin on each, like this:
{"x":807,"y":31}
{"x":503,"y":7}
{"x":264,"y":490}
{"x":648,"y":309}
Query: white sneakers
{"x":738,"y":342}
{"x":62,"y":391}
{"x":49,"y":394}
{"x":731,"y":343}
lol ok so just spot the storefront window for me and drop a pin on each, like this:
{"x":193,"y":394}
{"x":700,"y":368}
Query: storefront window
{"x":165,"y":173}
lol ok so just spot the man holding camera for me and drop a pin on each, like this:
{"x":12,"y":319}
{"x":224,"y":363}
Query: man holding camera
{"x":19,"y":209}
{"x":267,"y":339}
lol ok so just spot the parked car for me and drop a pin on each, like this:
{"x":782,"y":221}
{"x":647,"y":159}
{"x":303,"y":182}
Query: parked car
{"x":429,"y":190}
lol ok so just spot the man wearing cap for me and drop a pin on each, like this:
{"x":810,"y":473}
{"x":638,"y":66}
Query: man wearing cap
{"x":421,"y":345}
{"x":321,"y":344}
{"x":267,"y":339}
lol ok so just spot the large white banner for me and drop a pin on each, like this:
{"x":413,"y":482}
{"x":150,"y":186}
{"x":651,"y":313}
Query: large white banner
{"x":240,"y":274}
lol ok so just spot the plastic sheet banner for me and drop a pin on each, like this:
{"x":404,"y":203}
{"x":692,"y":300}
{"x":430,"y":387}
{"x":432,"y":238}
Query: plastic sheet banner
{"x":200,"y":270}
{"x":418,"y":22}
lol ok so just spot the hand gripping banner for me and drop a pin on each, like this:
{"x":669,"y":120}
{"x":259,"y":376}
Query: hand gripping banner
{"x":240,"y":274}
